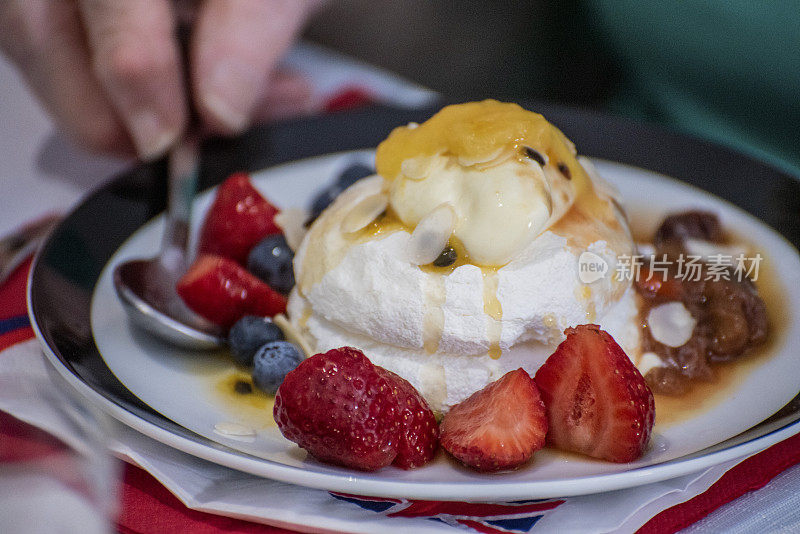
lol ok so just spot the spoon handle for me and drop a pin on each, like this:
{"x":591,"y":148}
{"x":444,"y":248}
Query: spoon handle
{"x":183,"y":171}
{"x":182,"y":168}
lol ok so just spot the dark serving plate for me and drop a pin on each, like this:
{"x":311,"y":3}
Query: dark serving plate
{"x":67,"y":268}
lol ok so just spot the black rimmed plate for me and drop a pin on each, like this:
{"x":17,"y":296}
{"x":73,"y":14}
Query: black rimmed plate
{"x":67,"y":271}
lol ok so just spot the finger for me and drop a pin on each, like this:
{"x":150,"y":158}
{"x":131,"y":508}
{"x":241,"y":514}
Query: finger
{"x":236,"y":45}
{"x":136,"y":59}
{"x":45,"y":40}
{"x":288,"y":95}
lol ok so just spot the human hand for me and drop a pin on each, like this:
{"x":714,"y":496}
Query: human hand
{"x":110,"y":71}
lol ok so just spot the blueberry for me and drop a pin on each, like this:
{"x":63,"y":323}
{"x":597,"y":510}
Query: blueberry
{"x":348,"y":177}
{"x":248,"y":334}
{"x":272,"y":362}
{"x":271,"y":261}
{"x":323,"y":199}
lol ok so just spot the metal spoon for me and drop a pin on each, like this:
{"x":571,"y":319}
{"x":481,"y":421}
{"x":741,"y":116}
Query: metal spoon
{"x":146,"y":287}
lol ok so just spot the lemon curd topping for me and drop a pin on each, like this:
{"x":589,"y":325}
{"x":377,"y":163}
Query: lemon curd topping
{"x":477,"y":131}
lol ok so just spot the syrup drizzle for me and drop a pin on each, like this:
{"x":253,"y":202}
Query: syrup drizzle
{"x":493,"y":309}
{"x":433,"y":325}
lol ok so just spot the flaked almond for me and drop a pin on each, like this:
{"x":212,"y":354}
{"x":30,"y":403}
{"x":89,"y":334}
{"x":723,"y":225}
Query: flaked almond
{"x":291,"y":334}
{"x":292,"y":222}
{"x":671,"y":324}
{"x":469,"y":161}
{"x":420,"y":167}
{"x":431,"y":234}
{"x":367,"y":210}
{"x":501,"y":158}
{"x":234,"y":430}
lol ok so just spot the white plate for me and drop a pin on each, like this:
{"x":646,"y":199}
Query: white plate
{"x":182,"y":385}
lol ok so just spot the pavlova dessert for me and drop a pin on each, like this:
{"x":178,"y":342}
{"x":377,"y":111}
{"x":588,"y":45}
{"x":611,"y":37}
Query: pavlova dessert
{"x":458,"y":261}
{"x":464,"y":295}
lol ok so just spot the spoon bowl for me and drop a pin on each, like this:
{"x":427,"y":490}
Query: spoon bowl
{"x":146,"y":287}
{"x":157,"y":309}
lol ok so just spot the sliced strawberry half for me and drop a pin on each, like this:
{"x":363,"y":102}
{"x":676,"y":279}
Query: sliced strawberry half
{"x":238,"y":219}
{"x":597,"y":402}
{"x":498,"y":427}
{"x":419,"y":431}
{"x":223,"y":292}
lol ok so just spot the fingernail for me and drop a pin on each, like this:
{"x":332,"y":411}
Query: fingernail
{"x":150,"y":135}
{"x":231,"y":92}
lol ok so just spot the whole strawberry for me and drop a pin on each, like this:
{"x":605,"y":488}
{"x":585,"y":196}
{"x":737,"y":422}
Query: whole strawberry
{"x":597,"y":402}
{"x":341,"y":409}
{"x":238,"y":219}
{"x":419,"y":431}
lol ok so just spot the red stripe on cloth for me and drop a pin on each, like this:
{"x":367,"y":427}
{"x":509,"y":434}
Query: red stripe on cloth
{"x":148,"y":507}
{"x":12,"y":292}
{"x":15,"y":336}
{"x":13,"y":304}
{"x":21,"y":442}
{"x":430,"y":508}
{"x":749,"y":475}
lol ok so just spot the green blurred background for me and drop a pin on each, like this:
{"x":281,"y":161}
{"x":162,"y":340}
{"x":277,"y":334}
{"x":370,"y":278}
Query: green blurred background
{"x":726,"y":70}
